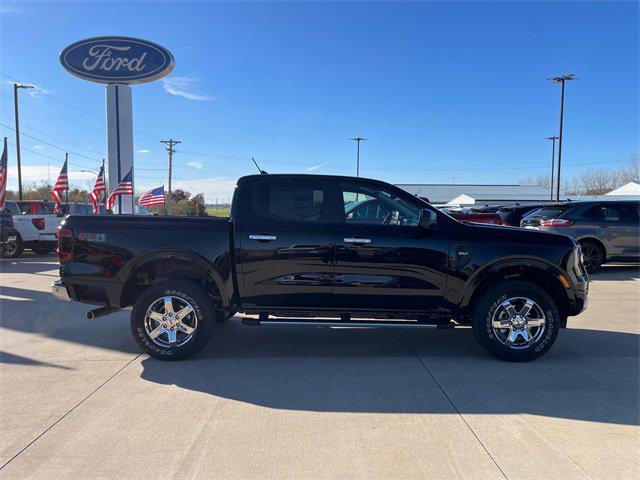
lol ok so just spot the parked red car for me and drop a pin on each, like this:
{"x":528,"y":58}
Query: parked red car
{"x":492,"y":218}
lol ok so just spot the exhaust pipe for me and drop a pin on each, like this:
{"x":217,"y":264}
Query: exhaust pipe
{"x":100,"y":312}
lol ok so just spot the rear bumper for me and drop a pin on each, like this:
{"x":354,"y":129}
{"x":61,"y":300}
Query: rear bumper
{"x":59,"y":290}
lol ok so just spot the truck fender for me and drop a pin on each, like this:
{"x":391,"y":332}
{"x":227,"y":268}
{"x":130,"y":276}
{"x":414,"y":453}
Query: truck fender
{"x":171,"y":254}
{"x":512,"y":264}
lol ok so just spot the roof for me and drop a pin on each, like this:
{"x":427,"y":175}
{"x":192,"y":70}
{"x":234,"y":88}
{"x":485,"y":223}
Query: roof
{"x":631,"y":188}
{"x":481,"y":193}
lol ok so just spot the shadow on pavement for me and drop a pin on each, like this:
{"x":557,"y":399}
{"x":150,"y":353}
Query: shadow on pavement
{"x":617,"y":272}
{"x":588,"y":375}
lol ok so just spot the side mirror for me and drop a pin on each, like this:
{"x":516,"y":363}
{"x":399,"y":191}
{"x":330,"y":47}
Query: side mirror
{"x":427,"y":219}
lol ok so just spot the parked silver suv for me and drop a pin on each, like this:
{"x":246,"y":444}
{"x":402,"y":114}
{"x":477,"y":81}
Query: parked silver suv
{"x":608,"y":231}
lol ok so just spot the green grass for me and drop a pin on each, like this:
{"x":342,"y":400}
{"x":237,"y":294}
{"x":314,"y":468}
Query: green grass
{"x":218,"y":211}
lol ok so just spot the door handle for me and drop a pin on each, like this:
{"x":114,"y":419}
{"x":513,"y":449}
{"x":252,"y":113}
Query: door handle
{"x":262,"y":238}
{"x":361,"y":241}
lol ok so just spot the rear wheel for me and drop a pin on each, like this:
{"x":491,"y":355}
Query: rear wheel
{"x":592,"y":255}
{"x":516,"y":321}
{"x":173,"y":320}
{"x":12,"y":249}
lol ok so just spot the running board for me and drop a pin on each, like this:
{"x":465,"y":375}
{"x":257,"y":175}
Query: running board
{"x":254,"y":322}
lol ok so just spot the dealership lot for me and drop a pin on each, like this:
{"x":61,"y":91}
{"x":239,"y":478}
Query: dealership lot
{"x":79,"y":400}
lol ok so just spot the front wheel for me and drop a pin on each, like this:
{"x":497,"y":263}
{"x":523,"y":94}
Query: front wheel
{"x":516,"y":321}
{"x":173,"y":320}
{"x":12,"y":249}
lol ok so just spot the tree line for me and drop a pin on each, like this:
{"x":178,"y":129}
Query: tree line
{"x":596,"y":181}
{"x":183,"y":203}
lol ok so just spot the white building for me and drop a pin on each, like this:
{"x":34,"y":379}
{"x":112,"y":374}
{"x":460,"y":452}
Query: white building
{"x":631,"y":188}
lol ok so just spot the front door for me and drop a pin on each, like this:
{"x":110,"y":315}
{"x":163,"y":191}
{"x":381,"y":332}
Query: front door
{"x":286,"y":246}
{"x":384,"y":261}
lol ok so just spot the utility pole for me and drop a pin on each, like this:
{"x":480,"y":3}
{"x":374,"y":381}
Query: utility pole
{"x":170,"y":144}
{"x":562,"y":79}
{"x":553,"y":158}
{"x":358,"y":140}
{"x":16,"y":86}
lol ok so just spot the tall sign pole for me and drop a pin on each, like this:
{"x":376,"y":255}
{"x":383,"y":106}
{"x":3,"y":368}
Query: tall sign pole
{"x":16,"y":87}
{"x":118,"y":62}
{"x":170,"y":149}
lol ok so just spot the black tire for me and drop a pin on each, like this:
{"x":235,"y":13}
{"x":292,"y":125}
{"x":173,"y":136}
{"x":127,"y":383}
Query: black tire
{"x":183,"y":291}
{"x":43,"y":248}
{"x":488,"y":307}
{"x":13,"y":249}
{"x":593,"y":255}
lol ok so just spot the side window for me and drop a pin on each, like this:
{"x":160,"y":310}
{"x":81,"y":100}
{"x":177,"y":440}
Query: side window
{"x":629,"y":214}
{"x":372,"y":205}
{"x":25,"y":208}
{"x":288,"y":201}
{"x":608,"y":213}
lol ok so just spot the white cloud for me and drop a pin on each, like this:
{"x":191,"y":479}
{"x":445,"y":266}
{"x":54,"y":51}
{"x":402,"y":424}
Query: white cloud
{"x":35,"y":92}
{"x":181,"y":87}
{"x":38,"y":147}
{"x":196,"y":164}
{"x":316,"y":167}
{"x":143,"y":151}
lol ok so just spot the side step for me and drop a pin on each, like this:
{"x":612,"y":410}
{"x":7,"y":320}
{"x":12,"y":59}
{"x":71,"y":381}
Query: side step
{"x":254,"y":322}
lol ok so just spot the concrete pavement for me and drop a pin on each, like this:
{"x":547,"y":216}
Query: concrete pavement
{"x":79,"y":401}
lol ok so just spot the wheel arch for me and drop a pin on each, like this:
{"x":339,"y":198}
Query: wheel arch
{"x":156,"y":267}
{"x":542,"y":274}
{"x":597,"y":242}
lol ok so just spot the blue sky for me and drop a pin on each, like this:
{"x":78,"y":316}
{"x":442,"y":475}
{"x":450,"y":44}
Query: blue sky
{"x":445,"y":91}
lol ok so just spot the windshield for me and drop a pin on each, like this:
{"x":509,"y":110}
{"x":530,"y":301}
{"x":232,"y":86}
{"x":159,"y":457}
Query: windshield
{"x":546,"y":213}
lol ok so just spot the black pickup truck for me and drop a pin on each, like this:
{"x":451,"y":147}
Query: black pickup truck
{"x":323,"y":250}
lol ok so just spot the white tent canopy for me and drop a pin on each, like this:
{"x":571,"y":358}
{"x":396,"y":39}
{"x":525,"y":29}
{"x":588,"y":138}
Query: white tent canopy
{"x":462,"y":200}
{"x":631,"y":188}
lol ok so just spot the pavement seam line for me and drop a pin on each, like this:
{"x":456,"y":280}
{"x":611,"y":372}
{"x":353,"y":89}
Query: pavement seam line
{"x":451,"y":402}
{"x":72,"y":409}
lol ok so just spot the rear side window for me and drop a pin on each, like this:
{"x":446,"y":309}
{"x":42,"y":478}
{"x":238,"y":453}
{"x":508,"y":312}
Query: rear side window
{"x":288,"y":201}
{"x":617,"y":213}
{"x":547,"y":212}
{"x":44,"y":208}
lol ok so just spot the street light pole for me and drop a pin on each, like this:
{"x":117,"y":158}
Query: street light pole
{"x":553,"y":158}
{"x":16,"y":86}
{"x":562,"y":79}
{"x":358,"y":140}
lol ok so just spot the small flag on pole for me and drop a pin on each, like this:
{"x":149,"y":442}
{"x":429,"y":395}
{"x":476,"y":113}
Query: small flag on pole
{"x":3,"y":178}
{"x":125,"y":187}
{"x":62,"y":185}
{"x":152,"y":197}
{"x":98,"y":188}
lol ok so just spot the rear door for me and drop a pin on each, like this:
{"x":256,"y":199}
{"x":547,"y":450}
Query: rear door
{"x":286,"y":243}
{"x":384,"y":261}
{"x":617,"y":226}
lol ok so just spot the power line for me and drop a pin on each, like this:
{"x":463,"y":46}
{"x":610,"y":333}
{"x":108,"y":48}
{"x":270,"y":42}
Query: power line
{"x":52,"y":145}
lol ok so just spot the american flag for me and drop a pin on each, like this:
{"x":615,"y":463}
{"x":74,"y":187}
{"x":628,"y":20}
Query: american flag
{"x":125,"y":187}
{"x":62,"y":184}
{"x":152,"y":197}
{"x":98,"y":188}
{"x":3,"y":177}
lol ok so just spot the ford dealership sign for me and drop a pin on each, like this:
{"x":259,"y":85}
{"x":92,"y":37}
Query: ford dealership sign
{"x":117,"y":60}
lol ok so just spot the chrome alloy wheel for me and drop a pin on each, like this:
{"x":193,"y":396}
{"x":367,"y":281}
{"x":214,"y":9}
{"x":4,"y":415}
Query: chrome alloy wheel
{"x":170,"y":322}
{"x":518,"y":322}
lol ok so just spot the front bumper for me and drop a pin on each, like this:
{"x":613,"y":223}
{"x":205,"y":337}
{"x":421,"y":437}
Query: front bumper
{"x":59,"y":291}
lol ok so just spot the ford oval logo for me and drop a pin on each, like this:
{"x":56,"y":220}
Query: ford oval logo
{"x":117,"y":60}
